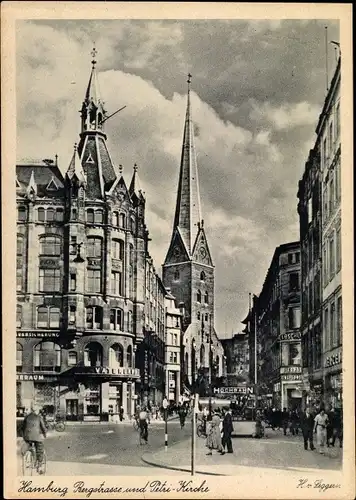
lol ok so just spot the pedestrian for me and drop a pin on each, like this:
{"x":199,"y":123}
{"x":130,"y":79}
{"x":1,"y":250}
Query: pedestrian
{"x":259,"y":431}
{"x":294,"y":422}
{"x":330,"y":427}
{"x":205,"y":417}
{"x":182,"y":415}
{"x":337,"y":431}
{"x":121,"y":413}
{"x":307,"y":425}
{"x":143,"y":423}
{"x":320,"y":425}
{"x":228,"y":429}
{"x":213,"y":440}
{"x":285,"y":421}
{"x":34,"y":431}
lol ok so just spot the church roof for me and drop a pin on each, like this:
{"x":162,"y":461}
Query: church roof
{"x":188,"y":212}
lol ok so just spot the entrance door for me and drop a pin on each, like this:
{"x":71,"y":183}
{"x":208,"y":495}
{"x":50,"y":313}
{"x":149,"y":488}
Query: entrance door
{"x":72,"y":409}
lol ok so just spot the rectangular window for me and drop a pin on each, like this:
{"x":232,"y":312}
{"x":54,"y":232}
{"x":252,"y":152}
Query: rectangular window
{"x":117,"y":249}
{"x":72,"y":311}
{"x":332,"y":195}
{"x":59,"y":215}
{"x":116,"y":317}
{"x":72,"y":358}
{"x":297,"y":257}
{"x":94,"y":247}
{"x":332,"y":325}
{"x":326,"y":329}
{"x":325,"y":152}
{"x":49,"y":280}
{"x":54,"y":317}
{"x":325,"y":203}
{"x":94,"y":317}
{"x":325,"y":266}
{"x":294,"y":354}
{"x":73,"y":282}
{"x":310,"y":210}
{"x":294,"y":317}
{"x":331,"y":139}
{"x":18,"y":316}
{"x":19,"y":279}
{"x":73,"y":245}
{"x":339,"y":321}
{"x":293,"y":282}
{"x":116,"y":283}
{"x":338,"y":249}
{"x":93,"y":281}
{"x":331,"y":257}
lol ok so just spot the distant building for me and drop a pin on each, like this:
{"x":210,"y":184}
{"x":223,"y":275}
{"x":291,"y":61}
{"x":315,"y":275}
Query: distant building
{"x":236,"y":351}
{"x":188,"y":269}
{"x":173,"y":345}
{"x":278,"y":330}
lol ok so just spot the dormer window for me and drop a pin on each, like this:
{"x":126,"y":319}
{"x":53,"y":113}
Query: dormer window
{"x":52,"y":186}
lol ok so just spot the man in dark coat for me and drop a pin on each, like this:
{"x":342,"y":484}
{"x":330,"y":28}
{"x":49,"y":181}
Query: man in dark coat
{"x":228,"y":429}
{"x":285,"y":420}
{"x":34,"y":431}
{"x":307,"y":426}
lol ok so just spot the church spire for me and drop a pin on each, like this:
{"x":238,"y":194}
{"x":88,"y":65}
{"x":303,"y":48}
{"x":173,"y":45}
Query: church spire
{"x":188,"y":212}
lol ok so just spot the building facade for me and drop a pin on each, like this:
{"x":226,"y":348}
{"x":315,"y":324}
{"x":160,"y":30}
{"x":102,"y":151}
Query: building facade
{"x":310,"y":224}
{"x":188,"y":270}
{"x":87,"y":293}
{"x":328,"y":133}
{"x":237,"y":356}
{"x":278,"y":331}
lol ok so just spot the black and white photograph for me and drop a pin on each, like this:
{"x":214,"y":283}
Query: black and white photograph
{"x":181,"y":196}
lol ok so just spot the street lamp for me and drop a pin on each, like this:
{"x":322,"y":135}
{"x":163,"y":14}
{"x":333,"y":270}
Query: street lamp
{"x":78,"y":258}
{"x":165,"y":408}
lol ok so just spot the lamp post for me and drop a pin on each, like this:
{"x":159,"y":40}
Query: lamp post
{"x":165,"y":407}
{"x":210,"y":368}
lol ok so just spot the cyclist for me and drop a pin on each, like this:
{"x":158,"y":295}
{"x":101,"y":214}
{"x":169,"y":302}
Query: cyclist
{"x":143,"y":423}
{"x":34,"y":431}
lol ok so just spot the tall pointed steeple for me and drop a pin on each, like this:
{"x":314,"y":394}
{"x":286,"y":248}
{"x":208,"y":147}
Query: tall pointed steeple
{"x":188,"y":212}
{"x":93,"y":112}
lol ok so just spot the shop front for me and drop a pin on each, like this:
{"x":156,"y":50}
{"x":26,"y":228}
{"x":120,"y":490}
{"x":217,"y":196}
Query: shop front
{"x":291,"y":387}
{"x":333,"y":379}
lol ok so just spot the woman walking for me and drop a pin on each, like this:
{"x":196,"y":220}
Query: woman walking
{"x":213,"y":440}
{"x":320,"y":425}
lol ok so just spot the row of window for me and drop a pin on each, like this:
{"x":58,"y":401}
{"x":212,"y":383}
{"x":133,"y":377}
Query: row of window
{"x":50,"y":317}
{"x":331,"y":136}
{"x":199,"y":297}
{"x":331,"y":255}
{"x":47,"y":356}
{"x":312,"y":348}
{"x":332,"y":325}
{"x":332,"y":192}
{"x":203,"y":316}
{"x":92,"y":216}
{"x":311,"y":298}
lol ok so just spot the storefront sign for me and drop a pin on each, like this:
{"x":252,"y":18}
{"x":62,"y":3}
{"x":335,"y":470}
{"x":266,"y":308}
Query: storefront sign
{"x":334,"y":359}
{"x":37,"y":335}
{"x":105,"y":370}
{"x":291,"y":369}
{"x":242,"y":389}
{"x":290,"y":377}
{"x":35,"y":377}
{"x":290,"y":336}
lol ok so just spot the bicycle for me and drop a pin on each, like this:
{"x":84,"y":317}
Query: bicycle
{"x":29,"y":461}
{"x":57,"y":425}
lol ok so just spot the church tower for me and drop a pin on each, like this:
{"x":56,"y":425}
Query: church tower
{"x":188,"y":270}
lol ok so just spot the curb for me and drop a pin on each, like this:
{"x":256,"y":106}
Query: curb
{"x":161,"y":465}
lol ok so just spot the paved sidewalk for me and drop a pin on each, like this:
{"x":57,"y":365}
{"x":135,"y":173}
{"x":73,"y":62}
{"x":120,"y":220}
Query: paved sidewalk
{"x":274,"y":452}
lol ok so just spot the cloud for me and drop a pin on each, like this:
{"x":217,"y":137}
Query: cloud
{"x":256,"y":94}
{"x":287,"y":115}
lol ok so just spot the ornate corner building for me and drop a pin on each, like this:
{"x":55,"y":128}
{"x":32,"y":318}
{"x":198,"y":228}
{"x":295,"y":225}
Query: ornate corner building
{"x":188,"y":270}
{"x":85,"y":284}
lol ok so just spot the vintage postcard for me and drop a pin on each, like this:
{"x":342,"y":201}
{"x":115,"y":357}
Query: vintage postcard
{"x":177,"y":250}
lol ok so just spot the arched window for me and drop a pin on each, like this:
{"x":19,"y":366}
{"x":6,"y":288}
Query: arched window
{"x":116,"y":356}
{"x":90,"y":216}
{"x":129,"y":356}
{"x":72,"y":358}
{"x":115,"y":219}
{"x":198,"y":315}
{"x":206,"y":298}
{"x":22,"y":214}
{"x":202,"y":355}
{"x":122,"y":220}
{"x":176,"y":275}
{"x":50,"y":214}
{"x":117,"y":249}
{"x":129,"y":322}
{"x":94,"y":247}
{"x":198,"y":296}
{"x":202,"y":276}
{"x":47,"y":357}
{"x":93,"y":354}
{"x":18,"y":316}
{"x":50,"y":245}
{"x":19,"y":245}
{"x":206,"y":317}
{"x":99,"y":217}
{"x":59,"y":215}
{"x":19,"y":353}
{"x":41,"y":214}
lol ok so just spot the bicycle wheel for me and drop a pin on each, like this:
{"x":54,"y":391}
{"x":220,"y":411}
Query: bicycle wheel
{"x":28,"y":463}
{"x":59,"y":426}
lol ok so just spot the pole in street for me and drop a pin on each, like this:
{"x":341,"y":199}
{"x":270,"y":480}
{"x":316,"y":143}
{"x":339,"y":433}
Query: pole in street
{"x":210,"y":388}
{"x":165,"y":407}
{"x":194,"y":424}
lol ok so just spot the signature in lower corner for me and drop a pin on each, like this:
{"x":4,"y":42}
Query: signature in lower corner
{"x":320,"y":484}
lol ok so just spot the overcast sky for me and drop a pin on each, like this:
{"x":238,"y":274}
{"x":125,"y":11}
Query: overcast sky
{"x":257,"y":90}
